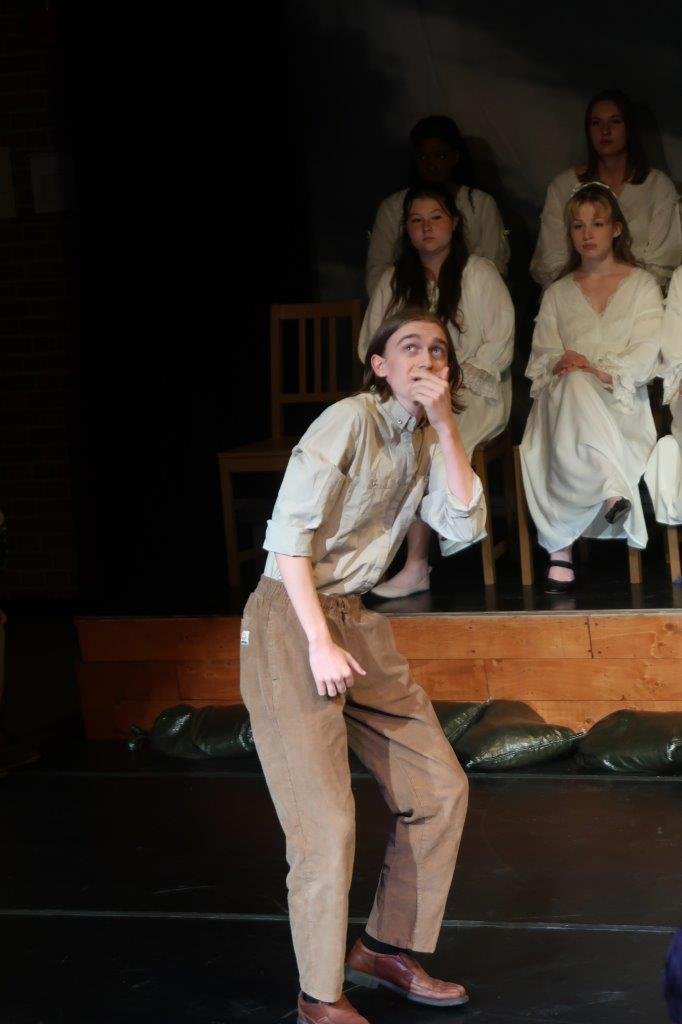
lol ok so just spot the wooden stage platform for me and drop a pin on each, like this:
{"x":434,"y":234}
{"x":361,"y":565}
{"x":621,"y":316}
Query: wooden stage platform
{"x":573,"y":668}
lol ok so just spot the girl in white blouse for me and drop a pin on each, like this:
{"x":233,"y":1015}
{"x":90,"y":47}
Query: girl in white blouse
{"x":435,"y":272}
{"x":646,"y":196}
{"x":439,"y":156}
{"x":664,"y":472}
{"x":590,"y":431}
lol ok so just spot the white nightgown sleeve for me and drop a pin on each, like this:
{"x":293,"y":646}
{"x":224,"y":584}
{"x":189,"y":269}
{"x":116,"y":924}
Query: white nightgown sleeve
{"x":551,"y":252}
{"x":663,"y":250}
{"x":383,"y":240}
{"x":637,"y":363}
{"x":547,"y":348}
{"x":671,"y":341}
{"x":493,"y":242}
{"x":382,"y":297}
{"x":482,"y":371}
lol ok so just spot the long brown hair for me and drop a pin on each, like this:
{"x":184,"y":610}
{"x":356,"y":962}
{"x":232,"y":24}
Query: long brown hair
{"x":600,"y":195}
{"x":637,"y":161}
{"x":386,"y":330}
{"x":409,"y":278}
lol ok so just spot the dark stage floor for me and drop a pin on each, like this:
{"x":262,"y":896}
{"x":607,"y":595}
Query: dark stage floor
{"x":138,"y":889}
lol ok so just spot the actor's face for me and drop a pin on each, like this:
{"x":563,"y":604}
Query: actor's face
{"x":607,"y":129}
{"x":430,"y":227}
{"x":413,"y":349}
{"x":436,"y":160}
{"x":593,"y":231}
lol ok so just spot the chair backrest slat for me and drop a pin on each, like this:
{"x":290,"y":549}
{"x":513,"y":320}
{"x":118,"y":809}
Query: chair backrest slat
{"x":302,"y":374}
{"x":317,"y":353}
{"x":324,"y":341}
{"x":276,"y":383}
{"x":332,"y":379}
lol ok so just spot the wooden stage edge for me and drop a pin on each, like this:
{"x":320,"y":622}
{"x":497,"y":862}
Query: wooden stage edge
{"x":573,"y":668}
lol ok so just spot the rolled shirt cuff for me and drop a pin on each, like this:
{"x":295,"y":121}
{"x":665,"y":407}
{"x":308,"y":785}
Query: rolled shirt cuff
{"x":286,"y":540}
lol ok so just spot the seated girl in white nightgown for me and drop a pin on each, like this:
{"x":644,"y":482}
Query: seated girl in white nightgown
{"x":664,"y":472}
{"x":647,"y":197}
{"x":590,"y":431}
{"x":439,"y":156}
{"x":434,"y":271}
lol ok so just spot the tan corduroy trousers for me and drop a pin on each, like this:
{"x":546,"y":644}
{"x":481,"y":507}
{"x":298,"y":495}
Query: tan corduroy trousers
{"x":302,"y":740}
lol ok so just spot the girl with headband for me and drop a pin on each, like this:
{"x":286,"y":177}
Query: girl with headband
{"x":647,"y":197}
{"x":595,"y":346}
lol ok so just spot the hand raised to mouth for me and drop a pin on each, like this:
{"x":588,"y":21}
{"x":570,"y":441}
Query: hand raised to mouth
{"x":432,"y":391}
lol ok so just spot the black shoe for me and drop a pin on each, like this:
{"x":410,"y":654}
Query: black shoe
{"x":618,"y":511}
{"x":559,"y":586}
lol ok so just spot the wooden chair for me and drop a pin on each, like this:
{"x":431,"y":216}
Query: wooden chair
{"x":484,"y":454}
{"x":314,"y":381}
{"x":673,"y":544}
{"x":525,"y":548}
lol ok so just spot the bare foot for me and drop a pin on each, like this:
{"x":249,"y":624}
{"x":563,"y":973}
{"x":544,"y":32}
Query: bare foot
{"x":412,"y":579}
{"x":410,"y":575}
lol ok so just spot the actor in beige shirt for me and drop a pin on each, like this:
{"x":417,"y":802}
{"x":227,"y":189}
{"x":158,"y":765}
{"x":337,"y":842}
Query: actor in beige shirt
{"x":319,"y":672}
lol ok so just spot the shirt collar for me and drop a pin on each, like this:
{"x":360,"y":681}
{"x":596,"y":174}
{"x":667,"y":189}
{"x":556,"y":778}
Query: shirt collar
{"x":398,"y":416}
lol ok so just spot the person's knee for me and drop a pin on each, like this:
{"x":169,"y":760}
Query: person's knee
{"x":573,"y":383}
{"x":454,"y":794}
{"x":335,"y":839}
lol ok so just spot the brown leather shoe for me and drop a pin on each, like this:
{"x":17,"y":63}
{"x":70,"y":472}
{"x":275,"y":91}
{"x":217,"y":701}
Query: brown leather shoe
{"x":340,"y":1012}
{"x":403,"y":975}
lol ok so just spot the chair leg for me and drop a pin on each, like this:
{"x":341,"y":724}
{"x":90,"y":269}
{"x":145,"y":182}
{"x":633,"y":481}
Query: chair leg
{"x":522,"y":521}
{"x":635,"y":565}
{"x":673,"y":553}
{"x":509,"y":497}
{"x":487,"y":555}
{"x":230,"y":526}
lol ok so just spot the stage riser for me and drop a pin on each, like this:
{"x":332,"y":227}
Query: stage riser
{"x":573,"y":669}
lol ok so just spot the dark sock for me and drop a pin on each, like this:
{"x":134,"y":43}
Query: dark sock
{"x":380,"y":947}
{"x":311,"y":999}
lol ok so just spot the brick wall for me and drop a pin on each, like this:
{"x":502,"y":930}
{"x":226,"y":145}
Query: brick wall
{"x":36,"y":344}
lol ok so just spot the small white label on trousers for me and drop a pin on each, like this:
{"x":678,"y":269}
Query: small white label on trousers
{"x":245,"y":638}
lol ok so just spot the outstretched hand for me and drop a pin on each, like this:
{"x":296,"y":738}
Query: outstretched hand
{"x":332,"y":667}
{"x":432,"y":391}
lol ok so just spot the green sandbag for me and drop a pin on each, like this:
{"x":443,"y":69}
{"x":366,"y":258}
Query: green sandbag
{"x":456,"y":717}
{"x":195,"y":733}
{"x":511,"y":735}
{"x":634,"y":741}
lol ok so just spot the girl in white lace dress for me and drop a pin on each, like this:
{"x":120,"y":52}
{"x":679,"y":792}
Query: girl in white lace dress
{"x":590,"y":431}
{"x":435,"y":272}
{"x":664,"y":472}
{"x":647,"y":197}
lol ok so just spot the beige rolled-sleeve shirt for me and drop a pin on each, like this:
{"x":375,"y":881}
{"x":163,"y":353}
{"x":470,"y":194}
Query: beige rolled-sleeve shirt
{"x":355,"y":481}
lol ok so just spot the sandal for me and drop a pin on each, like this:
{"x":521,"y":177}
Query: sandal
{"x":618,"y":511}
{"x":559,"y":586}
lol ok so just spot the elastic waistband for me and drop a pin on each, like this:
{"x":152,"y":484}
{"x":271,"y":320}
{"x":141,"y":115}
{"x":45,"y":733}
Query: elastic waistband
{"x":276,"y":592}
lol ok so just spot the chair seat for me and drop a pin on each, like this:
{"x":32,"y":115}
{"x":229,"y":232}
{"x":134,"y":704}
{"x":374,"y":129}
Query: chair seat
{"x":258,"y":456}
